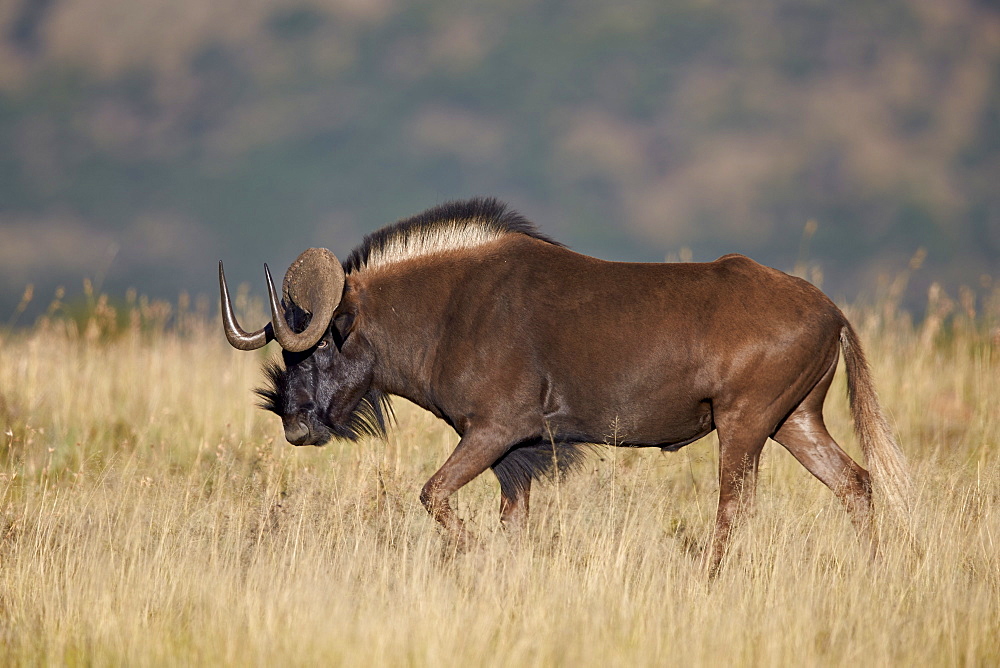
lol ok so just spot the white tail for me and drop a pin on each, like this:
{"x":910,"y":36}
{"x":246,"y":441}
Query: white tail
{"x":885,"y":459}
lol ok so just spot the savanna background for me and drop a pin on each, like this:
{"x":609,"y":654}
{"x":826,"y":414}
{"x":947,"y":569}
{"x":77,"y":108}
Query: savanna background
{"x":149,"y":514}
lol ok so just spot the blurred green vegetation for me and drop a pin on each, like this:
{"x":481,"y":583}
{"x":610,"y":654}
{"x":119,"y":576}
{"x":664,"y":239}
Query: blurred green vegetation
{"x":140,"y":142}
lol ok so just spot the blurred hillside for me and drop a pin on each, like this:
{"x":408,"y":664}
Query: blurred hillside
{"x":141,"y":141}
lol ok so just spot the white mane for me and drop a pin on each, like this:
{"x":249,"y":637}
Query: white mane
{"x":452,"y":226}
{"x":448,"y":236}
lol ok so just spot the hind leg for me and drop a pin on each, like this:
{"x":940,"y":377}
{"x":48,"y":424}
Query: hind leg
{"x":739,"y":458}
{"x":804,"y":435}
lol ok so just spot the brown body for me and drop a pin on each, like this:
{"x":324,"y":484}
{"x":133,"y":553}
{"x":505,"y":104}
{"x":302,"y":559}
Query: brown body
{"x":522,"y":345}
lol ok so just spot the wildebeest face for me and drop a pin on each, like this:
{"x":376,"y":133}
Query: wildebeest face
{"x":326,"y":391}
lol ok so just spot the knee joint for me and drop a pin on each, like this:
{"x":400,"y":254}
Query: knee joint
{"x":430,"y":496}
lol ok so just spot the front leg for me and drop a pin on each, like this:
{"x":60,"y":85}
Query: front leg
{"x":515,"y":471}
{"x":514,"y":507}
{"x":475,"y":453}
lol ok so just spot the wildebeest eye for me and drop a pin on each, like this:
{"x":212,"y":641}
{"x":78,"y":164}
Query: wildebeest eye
{"x":322,"y":344}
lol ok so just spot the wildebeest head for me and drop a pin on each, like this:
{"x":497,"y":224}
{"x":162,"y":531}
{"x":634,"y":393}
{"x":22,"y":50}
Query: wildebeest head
{"x":323,"y":389}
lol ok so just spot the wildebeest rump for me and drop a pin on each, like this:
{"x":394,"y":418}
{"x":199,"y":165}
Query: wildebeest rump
{"x":527,"y":349}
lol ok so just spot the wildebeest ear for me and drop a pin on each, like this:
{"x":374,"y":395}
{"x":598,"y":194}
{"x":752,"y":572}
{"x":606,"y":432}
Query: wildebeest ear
{"x":343,"y":323}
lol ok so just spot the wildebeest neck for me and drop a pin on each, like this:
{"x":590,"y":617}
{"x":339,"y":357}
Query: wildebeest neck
{"x":405,"y":312}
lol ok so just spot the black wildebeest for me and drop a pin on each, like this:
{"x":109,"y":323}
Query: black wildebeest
{"x":526,"y":348}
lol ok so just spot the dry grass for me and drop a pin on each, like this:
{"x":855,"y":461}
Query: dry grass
{"x":152,"y":515}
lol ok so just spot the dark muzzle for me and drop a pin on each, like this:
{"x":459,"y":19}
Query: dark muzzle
{"x":297,"y":433}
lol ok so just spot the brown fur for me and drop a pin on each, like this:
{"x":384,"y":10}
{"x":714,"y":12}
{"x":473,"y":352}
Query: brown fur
{"x":527,"y":348}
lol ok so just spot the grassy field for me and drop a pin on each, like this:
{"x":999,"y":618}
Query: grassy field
{"x":149,"y":514}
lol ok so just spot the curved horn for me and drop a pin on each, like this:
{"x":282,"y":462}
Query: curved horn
{"x":314,"y":283}
{"x":237,"y":336}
